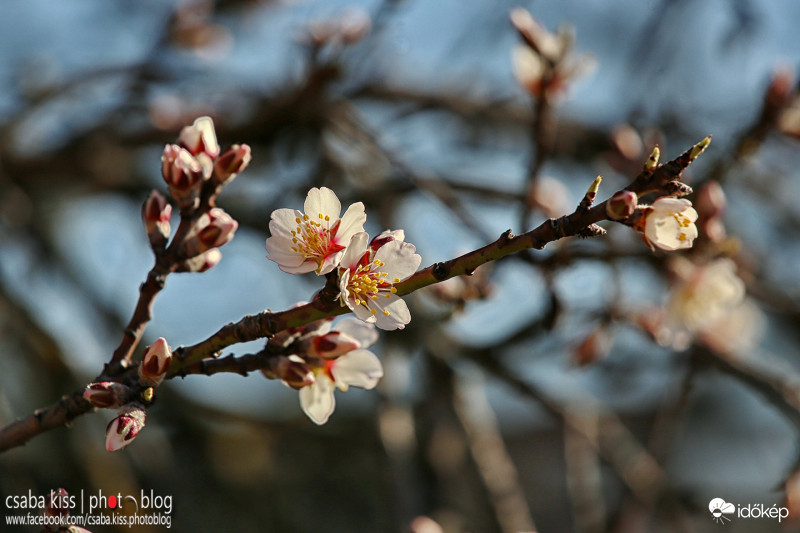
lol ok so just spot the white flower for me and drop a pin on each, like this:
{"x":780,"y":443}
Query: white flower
{"x":669,"y":224}
{"x":314,"y":241}
{"x":706,"y":293}
{"x":367,"y":278}
{"x":357,"y":368}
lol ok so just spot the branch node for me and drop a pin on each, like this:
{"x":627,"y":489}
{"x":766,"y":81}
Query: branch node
{"x":440,"y":271}
{"x":504,"y":238}
{"x":593,"y":230}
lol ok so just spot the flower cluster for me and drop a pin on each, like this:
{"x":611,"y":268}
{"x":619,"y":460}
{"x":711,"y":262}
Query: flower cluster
{"x":316,"y":359}
{"x":321,"y":359}
{"x":319,"y":240}
{"x":195,"y":170}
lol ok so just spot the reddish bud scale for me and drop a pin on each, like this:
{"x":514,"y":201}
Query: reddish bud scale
{"x":231,"y":162}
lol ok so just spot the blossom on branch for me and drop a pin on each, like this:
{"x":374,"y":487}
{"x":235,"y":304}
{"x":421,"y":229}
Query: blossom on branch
{"x":314,"y":240}
{"x":355,"y":368}
{"x":367,"y":277}
{"x":669,"y":224}
{"x":156,"y":214}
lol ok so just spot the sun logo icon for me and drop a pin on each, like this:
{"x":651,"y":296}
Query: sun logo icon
{"x":719,"y":508}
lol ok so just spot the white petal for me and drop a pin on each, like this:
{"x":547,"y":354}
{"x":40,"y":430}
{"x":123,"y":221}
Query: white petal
{"x":528,"y":67}
{"x":400,"y":258}
{"x":352,"y":223}
{"x":283,"y":222}
{"x":361,"y":312}
{"x":308,"y":266}
{"x":359,"y":368}
{"x":355,"y":250}
{"x":317,"y":400}
{"x":365,"y":334}
{"x":322,"y":201}
{"x":398,"y":316}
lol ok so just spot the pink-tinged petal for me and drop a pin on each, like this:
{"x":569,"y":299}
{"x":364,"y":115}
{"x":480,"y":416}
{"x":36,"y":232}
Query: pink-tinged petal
{"x":365,"y":334}
{"x":352,"y":222}
{"x":317,"y":400}
{"x":331,"y":345}
{"x":386,"y":237}
{"x":401,"y":260}
{"x":359,"y":368}
{"x":322,"y":201}
{"x":330,"y":262}
{"x":355,"y":250}
{"x":398,"y":314}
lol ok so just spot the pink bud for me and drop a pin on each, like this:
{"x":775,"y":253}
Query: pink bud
{"x":292,"y":370}
{"x":200,"y":263}
{"x":107,"y":394}
{"x":155,"y":363}
{"x":122,"y":430}
{"x":200,"y":137}
{"x":156,"y":214}
{"x":232,"y":161}
{"x":212,"y":230}
{"x":621,"y":205}
{"x":184,"y":176}
{"x":330,"y":346}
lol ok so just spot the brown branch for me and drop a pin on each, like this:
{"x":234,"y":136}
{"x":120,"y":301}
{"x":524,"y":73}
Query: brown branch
{"x":263,"y":325}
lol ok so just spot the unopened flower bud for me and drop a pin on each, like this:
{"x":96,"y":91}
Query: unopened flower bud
{"x":291,"y":370}
{"x":200,"y":137}
{"x":212,"y":230}
{"x":184,"y":176}
{"x":232,"y":161}
{"x":57,"y":505}
{"x":155,"y":363}
{"x":107,"y":394}
{"x":156,"y":214}
{"x":621,"y":205}
{"x":200,"y":263}
{"x":122,"y":430}
{"x":330,"y":346}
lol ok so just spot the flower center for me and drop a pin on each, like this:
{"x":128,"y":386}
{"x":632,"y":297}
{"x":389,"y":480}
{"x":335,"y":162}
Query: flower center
{"x":683,"y":222}
{"x":313,"y":239}
{"x":366,"y":284}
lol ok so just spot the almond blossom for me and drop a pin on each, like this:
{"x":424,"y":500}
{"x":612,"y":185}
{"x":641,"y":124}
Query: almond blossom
{"x":367,"y":277}
{"x":356,"y":368}
{"x":314,"y":240}
{"x":669,"y":224}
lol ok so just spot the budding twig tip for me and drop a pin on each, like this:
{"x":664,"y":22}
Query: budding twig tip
{"x":593,"y":188}
{"x":652,"y":161}
{"x":698,"y":148}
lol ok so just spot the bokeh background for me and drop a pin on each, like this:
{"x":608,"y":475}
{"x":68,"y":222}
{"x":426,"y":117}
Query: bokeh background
{"x":540,"y":394}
